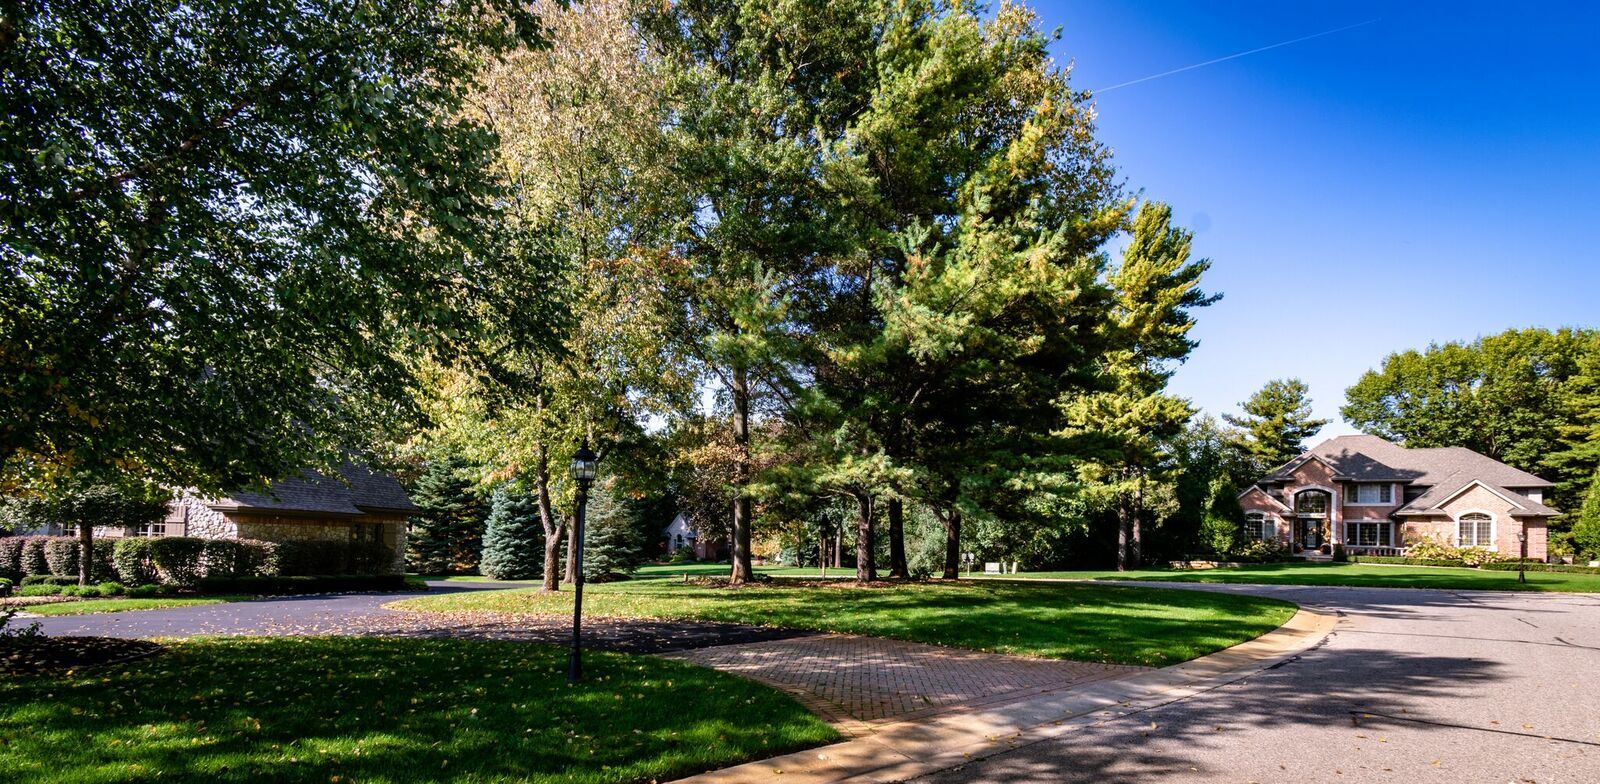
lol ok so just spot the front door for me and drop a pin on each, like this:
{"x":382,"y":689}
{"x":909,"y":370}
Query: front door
{"x":1311,"y":533}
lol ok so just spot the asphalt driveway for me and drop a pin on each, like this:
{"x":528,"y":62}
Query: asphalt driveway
{"x":1412,"y":686}
{"x":364,"y":614}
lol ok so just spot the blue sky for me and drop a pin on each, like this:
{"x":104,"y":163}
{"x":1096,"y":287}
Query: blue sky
{"x":1431,"y":176}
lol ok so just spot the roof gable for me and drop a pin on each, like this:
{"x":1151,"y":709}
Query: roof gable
{"x":1365,"y":458}
{"x":357,"y":490}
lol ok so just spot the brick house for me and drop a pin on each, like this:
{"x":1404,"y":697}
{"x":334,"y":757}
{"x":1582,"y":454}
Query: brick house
{"x":1379,"y":498}
{"x":681,"y":534}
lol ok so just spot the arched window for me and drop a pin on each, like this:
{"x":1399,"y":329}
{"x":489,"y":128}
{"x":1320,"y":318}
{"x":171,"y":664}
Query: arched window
{"x":1258,"y":526}
{"x":1311,"y":502}
{"x":1475,"y":529}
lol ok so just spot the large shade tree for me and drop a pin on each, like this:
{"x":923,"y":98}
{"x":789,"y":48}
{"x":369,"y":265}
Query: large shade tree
{"x":224,"y":223}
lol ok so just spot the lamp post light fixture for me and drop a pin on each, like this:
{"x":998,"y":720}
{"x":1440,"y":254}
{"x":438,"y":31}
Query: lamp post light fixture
{"x":584,"y":466}
{"x":1522,"y":565}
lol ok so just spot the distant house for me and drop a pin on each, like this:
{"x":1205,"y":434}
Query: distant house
{"x":680,"y":534}
{"x":1378,"y":497}
{"x":366,"y":506}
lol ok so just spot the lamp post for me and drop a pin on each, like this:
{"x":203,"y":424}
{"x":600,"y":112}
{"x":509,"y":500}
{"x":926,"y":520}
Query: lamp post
{"x":584,"y":466}
{"x":1522,"y":565}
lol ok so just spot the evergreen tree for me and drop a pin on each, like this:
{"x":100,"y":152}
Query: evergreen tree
{"x":1156,"y":287}
{"x":1277,"y":421}
{"x":1579,"y":431}
{"x":1586,"y":530}
{"x":445,"y":535}
{"x":611,"y":544}
{"x":1219,"y":531}
{"x":513,"y":542}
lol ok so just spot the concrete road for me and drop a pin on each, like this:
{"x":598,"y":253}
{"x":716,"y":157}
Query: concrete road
{"x":1413,"y":686}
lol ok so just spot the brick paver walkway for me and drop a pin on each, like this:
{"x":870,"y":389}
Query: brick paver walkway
{"x":857,"y":682}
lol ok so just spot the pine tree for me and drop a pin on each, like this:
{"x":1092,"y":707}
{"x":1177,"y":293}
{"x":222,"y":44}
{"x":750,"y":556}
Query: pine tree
{"x":1277,"y":421}
{"x":513,"y":542}
{"x":446,"y":533}
{"x":1586,"y":530}
{"x":611,"y":545}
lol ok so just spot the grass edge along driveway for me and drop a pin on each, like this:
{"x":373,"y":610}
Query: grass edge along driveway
{"x":342,"y":709}
{"x":1095,"y":623}
{"x":1348,"y":575}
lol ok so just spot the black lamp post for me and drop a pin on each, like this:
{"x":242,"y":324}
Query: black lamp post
{"x":584,"y":466}
{"x":1522,"y":565}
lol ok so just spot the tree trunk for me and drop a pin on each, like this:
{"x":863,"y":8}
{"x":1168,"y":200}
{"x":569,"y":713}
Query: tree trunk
{"x":1135,"y":544}
{"x":1122,"y":537}
{"x":547,"y":518}
{"x":572,"y":552}
{"x":838,"y":547}
{"x":866,"y":570}
{"x":86,"y":552}
{"x":952,"y":543}
{"x":897,"y":540}
{"x":742,"y":511}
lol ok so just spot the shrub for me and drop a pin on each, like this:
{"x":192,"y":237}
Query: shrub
{"x":142,"y":591}
{"x":1395,"y":559}
{"x":1478,"y":556}
{"x":177,"y":559}
{"x":298,"y":559}
{"x":111,"y":589}
{"x":1433,"y":550}
{"x":48,"y":579}
{"x":1535,"y":566}
{"x":40,"y":590}
{"x":33,"y":561}
{"x":5,"y":586}
{"x":130,"y":559}
{"x":11,"y":557}
{"x":238,"y":558}
{"x":1339,"y":555}
{"x":61,"y":556}
{"x":1263,"y":551}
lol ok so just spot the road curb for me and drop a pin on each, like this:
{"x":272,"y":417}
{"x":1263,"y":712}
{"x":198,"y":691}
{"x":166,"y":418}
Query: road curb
{"x":904,"y":750}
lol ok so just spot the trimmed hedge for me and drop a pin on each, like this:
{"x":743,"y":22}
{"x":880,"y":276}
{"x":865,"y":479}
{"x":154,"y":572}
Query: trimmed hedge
{"x":1512,"y":566}
{"x":303,"y":584}
{"x":11,"y":557}
{"x":130,"y":559}
{"x":1395,"y":559}
{"x":177,"y":559}
{"x":298,"y":559}
{"x":48,"y":579}
{"x":33,"y":561}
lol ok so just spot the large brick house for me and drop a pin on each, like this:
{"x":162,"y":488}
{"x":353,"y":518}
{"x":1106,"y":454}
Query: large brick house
{"x":1377,"y":497}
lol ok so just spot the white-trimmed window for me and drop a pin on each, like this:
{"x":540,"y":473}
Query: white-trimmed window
{"x":1373,"y":493}
{"x":1377,"y":533}
{"x":152,"y":530}
{"x":1475,"y":529}
{"x":1259,"y":527}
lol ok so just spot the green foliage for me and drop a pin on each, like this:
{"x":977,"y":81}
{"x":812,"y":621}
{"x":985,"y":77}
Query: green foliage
{"x":1513,"y":566}
{"x":11,"y":548}
{"x":446,"y":534}
{"x":1509,"y":396}
{"x":612,"y":547}
{"x":1586,"y":528}
{"x":61,"y":555}
{"x":513,"y":543}
{"x":1276,"y":422}
{"x":1224,"y":519}
{"x":1339,"y":555}
{"x":177,"y":559}
{"x":131,"y":560}
{"x":247,"y":233}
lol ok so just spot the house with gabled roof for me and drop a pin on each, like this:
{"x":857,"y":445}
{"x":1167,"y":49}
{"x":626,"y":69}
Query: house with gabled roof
{"x":1379,"y":498}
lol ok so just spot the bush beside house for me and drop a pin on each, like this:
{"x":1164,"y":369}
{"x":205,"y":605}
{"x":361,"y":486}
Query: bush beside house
{"x":185,"y":562}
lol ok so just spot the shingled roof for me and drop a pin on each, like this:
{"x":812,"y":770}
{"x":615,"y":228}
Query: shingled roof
{"x":1364,"y":458}
{"x":357,"y":491}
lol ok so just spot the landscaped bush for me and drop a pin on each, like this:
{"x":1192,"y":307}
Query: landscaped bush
{"x":239,"y":558}
{"x":5,"y":586}
{"x":1534,"y":566}
{"x":130,"y":559}
{"x":297,"y":559}
{"x":1478,"y":556}
{"x":11,"y":557}
{"x":48,"y":579}
{"x":1433,"y":550}
{"x":61,"y":555}
{"x":33,"y":561}
{"x":177,"y":559}
{"x":39,"y":590}
{"x":303,"y":584}
{"x":1407,"y":561}
{"x":1262,"y":551}
{"x":143,"y":591}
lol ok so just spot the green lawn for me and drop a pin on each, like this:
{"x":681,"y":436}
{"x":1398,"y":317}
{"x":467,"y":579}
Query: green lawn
{"x":320,"y":709}
{"x":1369,"y":575}
{"x":87,"y":606}
{"x":673,"y":570}
{"x":1081,"y":622}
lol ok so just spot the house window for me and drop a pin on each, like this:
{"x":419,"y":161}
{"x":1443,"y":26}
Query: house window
{"x":1311,"y":502}
{"x":1369,"y":534}
{"x":1412,"y":493}
{"x":361,"y":533}
{"x":1370,"y":493}
{"x":151,"y":529}
{"x":1475,"y":529}
{"x":1258,"y":527}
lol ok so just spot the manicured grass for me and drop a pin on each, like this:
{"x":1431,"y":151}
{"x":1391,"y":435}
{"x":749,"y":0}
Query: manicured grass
{"x":1368,"y":575}
{"x":671,"y":570}
{"x":88,"y":606}
{"x":1081,"y":622}
{"x":329,"y":709}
